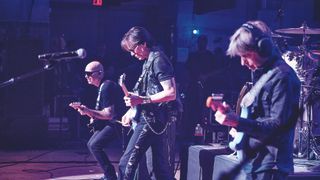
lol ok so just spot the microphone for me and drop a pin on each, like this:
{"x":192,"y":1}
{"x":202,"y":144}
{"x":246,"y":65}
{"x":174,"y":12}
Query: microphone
{"x":58,"y":56}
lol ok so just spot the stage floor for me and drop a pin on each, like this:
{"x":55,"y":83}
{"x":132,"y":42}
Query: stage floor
{"x":77,"y":164}
{"x":54,"y":164}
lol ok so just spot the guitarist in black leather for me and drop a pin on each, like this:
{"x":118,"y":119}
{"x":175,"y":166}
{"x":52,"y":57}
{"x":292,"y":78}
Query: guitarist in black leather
{"x":274,"y":98}
{"x":103,"y":116}
{"x":154,"y":96}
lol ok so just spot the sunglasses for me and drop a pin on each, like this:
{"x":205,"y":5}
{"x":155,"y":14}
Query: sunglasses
{"x":89,"y":73}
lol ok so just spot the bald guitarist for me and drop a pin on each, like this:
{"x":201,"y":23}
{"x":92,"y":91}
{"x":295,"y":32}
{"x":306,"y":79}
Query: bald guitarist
{"x":103,"y":117}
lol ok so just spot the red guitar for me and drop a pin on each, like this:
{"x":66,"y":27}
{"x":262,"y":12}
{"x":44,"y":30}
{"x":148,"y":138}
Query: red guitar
{"x":215,"y":102}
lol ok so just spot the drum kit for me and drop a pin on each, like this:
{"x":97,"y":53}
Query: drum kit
{"x":305,"y":61}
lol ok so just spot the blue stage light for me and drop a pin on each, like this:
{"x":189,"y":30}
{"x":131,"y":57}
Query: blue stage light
{"x":195,"y":31}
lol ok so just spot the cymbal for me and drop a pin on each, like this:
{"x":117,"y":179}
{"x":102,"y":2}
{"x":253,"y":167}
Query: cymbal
{"x":300,"y":30}
{"x":316,"y":52}
{"x":274,"y":35}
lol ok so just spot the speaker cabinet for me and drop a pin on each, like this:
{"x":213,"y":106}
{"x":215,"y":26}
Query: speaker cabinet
{"x":223,"y":164}
{"x":201,"y":160}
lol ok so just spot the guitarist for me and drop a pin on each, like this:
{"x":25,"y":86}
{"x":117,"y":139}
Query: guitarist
{"x":156,"y":85}
{"x":274,"y":98}
{"x":103,"y":123}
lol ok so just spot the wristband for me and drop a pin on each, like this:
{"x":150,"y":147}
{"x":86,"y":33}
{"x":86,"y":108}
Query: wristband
{"x":146,"y":100}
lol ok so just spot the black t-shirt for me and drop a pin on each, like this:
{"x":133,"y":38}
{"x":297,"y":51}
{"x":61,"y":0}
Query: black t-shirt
{"x":110,"y":94}
{"x":162,"y":67}
{"x":156,"y":69}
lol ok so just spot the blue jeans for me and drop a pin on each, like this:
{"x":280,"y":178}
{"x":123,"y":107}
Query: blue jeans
{"x":141,"y":139}
{"x":97,"y":143}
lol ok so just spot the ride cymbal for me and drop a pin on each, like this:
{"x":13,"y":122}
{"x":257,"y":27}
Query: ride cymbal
{"x":274,"y":35}
{"x":304,"y":29}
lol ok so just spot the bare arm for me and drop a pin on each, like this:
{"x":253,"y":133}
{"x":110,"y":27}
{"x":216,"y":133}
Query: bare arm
{"x":105,"y":114}
{"x":168,"y":94}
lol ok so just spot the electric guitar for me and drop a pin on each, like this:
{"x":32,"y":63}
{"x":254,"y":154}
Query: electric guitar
{"x":244,"y":112}
{"x":133,"y":111}
{"x":92,"y":121}
{"x":76,"y":106}
{"x":156,"y":114}
{"x":215,"y":103}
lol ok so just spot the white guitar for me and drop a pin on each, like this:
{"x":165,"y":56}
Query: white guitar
{"x":132,"y":112}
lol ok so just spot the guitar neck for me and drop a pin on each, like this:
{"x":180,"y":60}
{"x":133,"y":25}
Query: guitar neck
{"x":125,"y":90}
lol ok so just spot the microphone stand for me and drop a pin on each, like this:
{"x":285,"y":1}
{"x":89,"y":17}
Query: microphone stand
{"x":48,"y":66}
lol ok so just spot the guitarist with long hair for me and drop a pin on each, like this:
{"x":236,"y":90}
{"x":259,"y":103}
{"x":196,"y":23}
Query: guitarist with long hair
{"x":274,"y":101}
{"x":103,"y":118}
{"x":153,"y":99}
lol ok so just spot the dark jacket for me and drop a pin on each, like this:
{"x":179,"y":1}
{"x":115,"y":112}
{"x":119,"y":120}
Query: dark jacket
{"x":275,"y":113}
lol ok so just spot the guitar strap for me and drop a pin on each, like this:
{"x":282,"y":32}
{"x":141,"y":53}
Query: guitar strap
{"x":95,"y":125}
{"x":245,"y":89}
{"x":146,"y":69}
{"x":99,"y":96}
{"x":249,"y":98}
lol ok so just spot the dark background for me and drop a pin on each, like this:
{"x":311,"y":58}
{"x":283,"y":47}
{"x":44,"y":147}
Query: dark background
{"x":32,"y":27}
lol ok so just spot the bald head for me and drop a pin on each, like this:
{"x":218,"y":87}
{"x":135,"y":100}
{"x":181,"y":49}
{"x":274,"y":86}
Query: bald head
{"x":94,"y":66}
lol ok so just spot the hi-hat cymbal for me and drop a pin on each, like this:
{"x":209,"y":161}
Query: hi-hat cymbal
{"x":274,"y":35}
{"x":300,"y":30}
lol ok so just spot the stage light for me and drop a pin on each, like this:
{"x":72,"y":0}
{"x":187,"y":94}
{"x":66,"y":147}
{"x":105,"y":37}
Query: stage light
{"x":97,"y":2}
{"x":196,"y":31}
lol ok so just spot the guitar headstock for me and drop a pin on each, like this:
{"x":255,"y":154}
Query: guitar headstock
{"x":122,"y":78}
{"x":75,"y":105}
{"x":122,"y":85}
{"x":215,"y":102}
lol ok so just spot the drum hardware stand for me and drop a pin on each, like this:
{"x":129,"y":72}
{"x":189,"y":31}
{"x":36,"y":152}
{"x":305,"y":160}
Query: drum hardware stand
{"x":309,"y":120}
{"x":307,"y":143}
{"x":311,"y":146}
{"x":304,"y":102}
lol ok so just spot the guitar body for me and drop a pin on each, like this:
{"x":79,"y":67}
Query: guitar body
{"x":156,"y":115}
{"x":238,"y":142}
{"x":215,"y":103}
{"x":93,"y":123}
{"x":96,"y":124}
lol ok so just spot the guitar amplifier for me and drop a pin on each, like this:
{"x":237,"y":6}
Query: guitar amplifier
{"x":224,"y":164}
{"x":303,"y":169}
{"x":65,"y":119}
{"x":201,"y":160}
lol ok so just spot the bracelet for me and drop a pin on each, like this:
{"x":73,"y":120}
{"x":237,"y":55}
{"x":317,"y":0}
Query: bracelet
{"x":146,"y":100}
